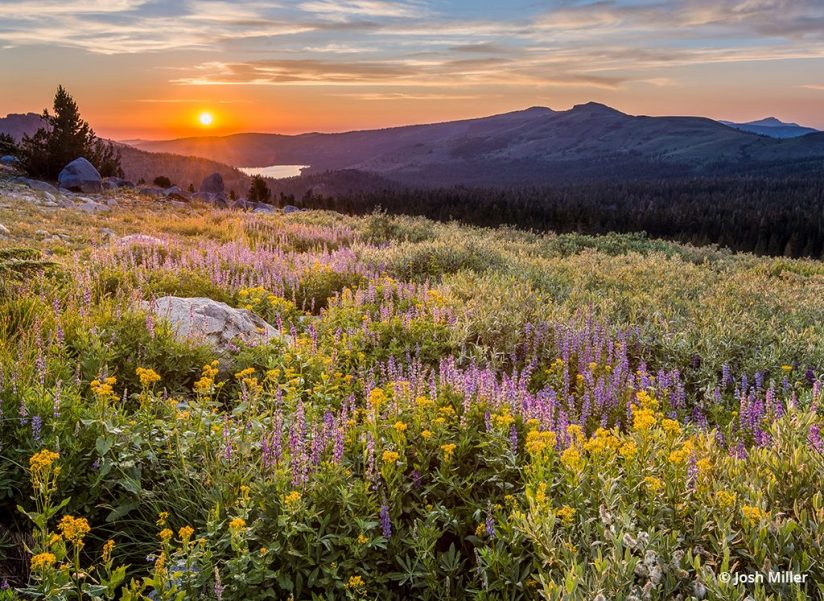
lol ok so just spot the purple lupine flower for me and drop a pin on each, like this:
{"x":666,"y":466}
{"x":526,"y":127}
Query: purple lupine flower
{"x":692,"y":472}
{"x":417,"y":479}
{"x":338,"y":447}
{"x":489,"y":525}
{"x":814,"y":438}
{"x":513,"y":439}
{"x":386,"y":523}
{"x":58,"y":393}
{"x":36,"y":427}
{"x":218,"y":586}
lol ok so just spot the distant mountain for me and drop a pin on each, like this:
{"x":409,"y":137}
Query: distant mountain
{"x":772,"y":127}
{"x":534,"y":146}
{"x":17,"y":125}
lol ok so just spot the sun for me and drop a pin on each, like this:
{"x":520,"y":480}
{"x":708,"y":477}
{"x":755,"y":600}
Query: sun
{"x":205,"y":119}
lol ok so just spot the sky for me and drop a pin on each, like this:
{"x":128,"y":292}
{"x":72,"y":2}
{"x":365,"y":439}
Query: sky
{"x":148,"y":68}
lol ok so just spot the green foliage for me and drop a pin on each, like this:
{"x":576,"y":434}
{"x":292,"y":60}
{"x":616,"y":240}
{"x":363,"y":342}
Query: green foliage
{"x":258,"y":190}
{"x":64,"y":138}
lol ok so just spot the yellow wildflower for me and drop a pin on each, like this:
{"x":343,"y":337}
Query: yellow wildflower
{"x":671,"y":427}
{"x":237,"y":524}
{"x":166,"y":534}
{"x":292,"y":498}
{"x":42,"y":460}
{"x":162,"y":517}
{"x":362,"y":539}
{"x":399,"y":427}
{"x":725,"y":499}
{"x":540,"y":494}
{"x":571,"y":459}
{"x":426,"y":434}
{"x":448,"y":450}
{"x":753,"y":514}
{"x":537,"y":442}
{"x":565,"y":514}
{"x":42,"y":561}
{"x":355,"y":582}
{"x":642,"y":419}
{"x":185,"y":533}
{"x":147,"y":376}
{"x":73,"y":529}
{"x":376,"y":398}
{"x":390,"y":457}
{"x":628,"y":450}
{"x":106,"y":553}
{"x":653,"y":484}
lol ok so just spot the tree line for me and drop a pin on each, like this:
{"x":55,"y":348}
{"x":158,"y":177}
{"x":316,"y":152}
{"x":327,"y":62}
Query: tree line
{"x":778,"y":217}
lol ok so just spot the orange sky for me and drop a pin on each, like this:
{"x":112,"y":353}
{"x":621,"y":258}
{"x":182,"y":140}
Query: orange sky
{"x":146,"y":69}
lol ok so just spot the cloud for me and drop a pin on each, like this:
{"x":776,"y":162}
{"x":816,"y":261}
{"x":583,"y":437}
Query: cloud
{"x":344,"y":9}
{"x":819,"y":87}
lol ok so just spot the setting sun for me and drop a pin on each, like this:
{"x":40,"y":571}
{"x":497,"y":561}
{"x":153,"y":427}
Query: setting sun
{"x":205,"y":119}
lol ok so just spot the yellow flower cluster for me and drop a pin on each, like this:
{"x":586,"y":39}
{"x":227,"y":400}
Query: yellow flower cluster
{"x":679,"y":456}
{"x":42,"y":561}
{"x":106,"y":552}
{"x":390,"y":457}
{"x":376,"y":398}
{"x":147,"y":376}
{"x":362,"y":539}
{"x":292,"y":498}
{"x":355,"y":582}
{"x":571,"y":459}
{"x":671,"y":427}
{"x":565,"y":514}
{"x":753,"y":514}
{"x":42,"y":460}
{"x":602,"y":441}
{"x":104,"y":389}
{"x":725,"y":499}
{"x":538,"y":442}
{"x":237,"y":524}
{"x":653,"y":484}
{"x":426,"y":434}
{"x":448,"y":450}
{"x":399,"y":427}
{"x":73,"y":529}
{"x":166,"y":535}
{"x":207,"y":377}
{"x":628,"y":450}
{"x":186,"y":532}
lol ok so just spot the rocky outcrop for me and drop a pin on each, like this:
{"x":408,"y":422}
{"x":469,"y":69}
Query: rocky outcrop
{"x":113,"y":183}
{"x":36,"y":184}
{"x":205,"y":320}
{"x":213,"y":191}
{"x":80,"y":176}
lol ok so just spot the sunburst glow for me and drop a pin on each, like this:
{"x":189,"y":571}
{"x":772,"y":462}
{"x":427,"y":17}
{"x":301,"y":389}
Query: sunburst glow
{"x":205,"y":119}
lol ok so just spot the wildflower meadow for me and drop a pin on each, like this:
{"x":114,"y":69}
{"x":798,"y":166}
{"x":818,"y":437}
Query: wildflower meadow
{"x":446,"y":412}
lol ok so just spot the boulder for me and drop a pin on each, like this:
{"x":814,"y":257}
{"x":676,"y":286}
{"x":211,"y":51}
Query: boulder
{"x":141,"y":239}
{"x":213,"y":191}
{"x":205,"y":320}
{"x":80,"y":176}
{"x":9,"y":160}
{"x":290,"y":209}
{"x":151,"y":191}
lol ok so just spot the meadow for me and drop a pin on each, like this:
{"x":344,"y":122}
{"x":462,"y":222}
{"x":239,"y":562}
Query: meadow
{"x":451,"y":412}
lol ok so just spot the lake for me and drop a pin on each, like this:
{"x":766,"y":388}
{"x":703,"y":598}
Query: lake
{"x":276,"y":171}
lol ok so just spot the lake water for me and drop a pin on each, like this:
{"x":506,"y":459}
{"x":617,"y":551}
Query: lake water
{"x":275,"y":171}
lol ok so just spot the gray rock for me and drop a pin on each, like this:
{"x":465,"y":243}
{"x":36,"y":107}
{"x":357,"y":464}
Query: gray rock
{"x":4,"y":231}
{"x":150,"y":191}
{"x":92,"y":207}
{"x":212,"y":184}
{"x":9,"y":160}
{"x":206,"y":320}
{"x":106,"y":232}
{"x":140,"y":239}
{"x":36,"y":184}
{"x":111,"y":202}
{"x":112,"y":183}
{"x":213,"y":191}
{"x":263,"y":208}
{"x":80,"y":175}
{"x":242,"y":204}
{"x":290,"y":209}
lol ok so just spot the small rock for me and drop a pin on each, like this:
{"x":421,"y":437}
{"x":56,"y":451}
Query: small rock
{"x":80,"y":175}
{"x":263,"y":208}
{"x":290,"y":209}
{"x":140,"y":239}
{"x":111,"y":183}
{"x":92,"y":207}
{"x":150,"y":191}
{"x":4,"y":231}
{"x":111,"y":202}
{"x":106,"y":232}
